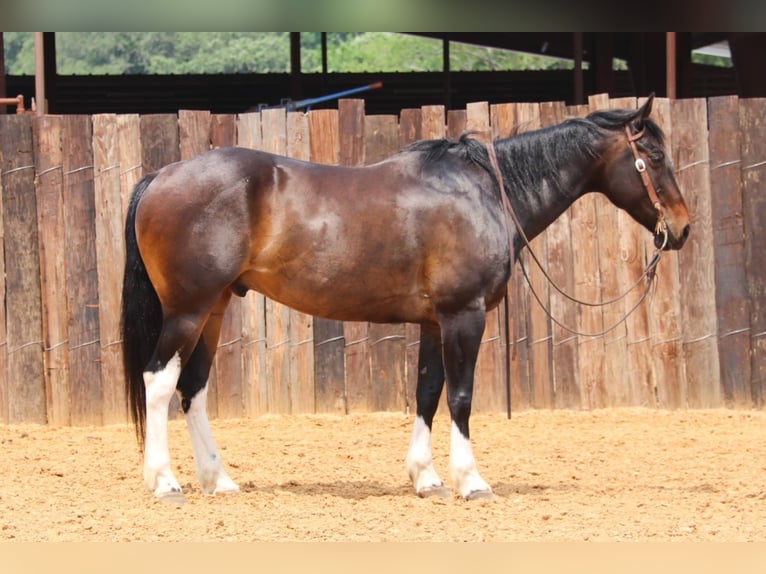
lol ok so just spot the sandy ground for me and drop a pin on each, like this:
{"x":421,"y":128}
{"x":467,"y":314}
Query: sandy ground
{"x":608,"y":475}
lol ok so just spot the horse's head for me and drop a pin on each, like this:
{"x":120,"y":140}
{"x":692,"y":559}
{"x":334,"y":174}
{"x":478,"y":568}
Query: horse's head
{"x":638,"y":177}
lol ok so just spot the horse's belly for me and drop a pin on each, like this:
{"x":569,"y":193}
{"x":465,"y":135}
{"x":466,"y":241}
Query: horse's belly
{"x":368,"y":293}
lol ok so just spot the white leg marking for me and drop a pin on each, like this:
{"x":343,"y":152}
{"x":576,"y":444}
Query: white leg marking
{"x":160,"y":387}
{"x":419,"y":462}
{"x":207,"y":461}
{"x":463,"y":466}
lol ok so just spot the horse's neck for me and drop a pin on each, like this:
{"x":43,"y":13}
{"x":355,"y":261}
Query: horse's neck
{"x":544,"y":174}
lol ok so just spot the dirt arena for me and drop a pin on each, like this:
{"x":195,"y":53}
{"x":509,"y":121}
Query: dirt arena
{"x":609,"y":475}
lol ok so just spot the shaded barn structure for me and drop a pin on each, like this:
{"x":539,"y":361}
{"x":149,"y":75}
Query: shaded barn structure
{"x":657,"y":62}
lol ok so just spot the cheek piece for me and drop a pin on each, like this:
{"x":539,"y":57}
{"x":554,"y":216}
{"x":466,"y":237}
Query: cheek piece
{"x":640,"y":164}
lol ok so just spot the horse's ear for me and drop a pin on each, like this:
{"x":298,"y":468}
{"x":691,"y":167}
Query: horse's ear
{"x":646,"y":109}
{"x":644,"y":112}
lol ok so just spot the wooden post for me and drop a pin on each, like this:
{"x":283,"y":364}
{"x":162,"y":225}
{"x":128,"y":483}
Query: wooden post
{"x":110,"y":253}
{"x":228,"y":357}
{"x":329,"y":340}
{"x":616,"y":384}
{"x":564,"y":357}
{"x":359,"y":394}
{"x":81,"y":272}
{"x":388,"y":348}
{"x":410,"y":131}
{"x":665,"y":311}
{"x":302,"y":399}
{"x":51,"y":224}
{"x":584,"y":225}
{"x":24,"y":381}
{"x":504,"y":120}
{"x":695,"y":264}
{"x":753,"y":126}
{"x":638,"y":374}
{"x":432,"y":127}
{"x":274,"y":133}
{"x":489,"y":381}
{"x":539,"y":328}
{"x":160,"y":147}
{"x":253,"y":306}
{"x":731,"y":292}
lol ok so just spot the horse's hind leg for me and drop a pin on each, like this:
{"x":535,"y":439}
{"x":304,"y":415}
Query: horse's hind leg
{"x":461,"y":339}
{"x":193,"y":387}
{"x":430,"y":384}
{"x":161,"y":376}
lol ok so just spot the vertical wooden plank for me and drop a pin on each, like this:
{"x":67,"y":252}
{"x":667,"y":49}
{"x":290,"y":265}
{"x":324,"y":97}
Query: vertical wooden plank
{"x":752,"y":121}
{"x":504,"y":122}
{"x":253,"y":320}
{"x":81,"y":272}
{"x":4,"y":382}
{"x":489,"y":379}
{"x":565,"y":373}
{"x":360,"y":395}
{"x":194,"y":139}
{"x":456,"y":123}
{"x":638,"y":373}
{"x":160,"y":147}
{"x":539,"y":328}
{"x":274,"y":134}
{"x":131,"y":166}
{"x":585,"y":234}
{"x":193,"y":132}
{"x":617,"y":391}
{"x":432,"y":127}
{"x":410,"y":131}
{"x":228,"y":357}
{"x":665,"y":314}
{"x":25,"y":385}
{"x":695,"y":264}
{"x":159,"y":141}
{"x":51,"y":224}
{"x":388,"y":347}
{"x":329,"y":340}
{"x":731,"y":294}
{"x":302,"y":397}
{"x":131,"y":171}
{"x":110,"y":249}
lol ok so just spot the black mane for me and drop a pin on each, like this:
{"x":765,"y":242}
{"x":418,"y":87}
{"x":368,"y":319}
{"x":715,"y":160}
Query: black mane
{"x":467,"y":148}
{"x":526,"y":157}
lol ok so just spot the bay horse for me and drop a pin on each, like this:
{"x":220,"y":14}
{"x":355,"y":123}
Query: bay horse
{"x":420,"y":237}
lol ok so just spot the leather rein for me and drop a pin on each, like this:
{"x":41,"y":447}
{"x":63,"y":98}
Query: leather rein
{"x":649,"y":272}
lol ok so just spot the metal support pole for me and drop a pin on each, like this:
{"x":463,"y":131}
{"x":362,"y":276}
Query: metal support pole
{"x":670,"y":78}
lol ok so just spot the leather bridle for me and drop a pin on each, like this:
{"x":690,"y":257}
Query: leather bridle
{"x":640,"y":165}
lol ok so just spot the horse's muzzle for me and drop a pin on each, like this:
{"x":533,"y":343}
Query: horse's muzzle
{"x":673,"y":241}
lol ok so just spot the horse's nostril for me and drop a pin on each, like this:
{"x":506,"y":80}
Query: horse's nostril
{"x":685,"y":232}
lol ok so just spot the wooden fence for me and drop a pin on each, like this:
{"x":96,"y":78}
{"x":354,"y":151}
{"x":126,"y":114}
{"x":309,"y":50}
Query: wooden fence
{"x":701,"y":342}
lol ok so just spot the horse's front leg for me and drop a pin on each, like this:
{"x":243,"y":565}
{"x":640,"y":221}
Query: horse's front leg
{"x":430,"y":384}
{"x":461,"y":339}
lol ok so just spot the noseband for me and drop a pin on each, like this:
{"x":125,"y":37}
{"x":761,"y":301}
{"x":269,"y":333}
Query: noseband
{"x":640,"y":164}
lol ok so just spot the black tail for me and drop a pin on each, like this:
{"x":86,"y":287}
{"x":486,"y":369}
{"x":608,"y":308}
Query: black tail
{"x":141,"y":319}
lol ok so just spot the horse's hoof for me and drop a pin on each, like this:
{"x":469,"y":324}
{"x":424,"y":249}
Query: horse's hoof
{"x":226,"y":491}
{"x":173,"y":497}
{"x":480,"y":495}
{"x":435,"y":491}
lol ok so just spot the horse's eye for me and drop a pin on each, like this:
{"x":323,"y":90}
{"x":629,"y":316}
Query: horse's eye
{"x":656,"y":157}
